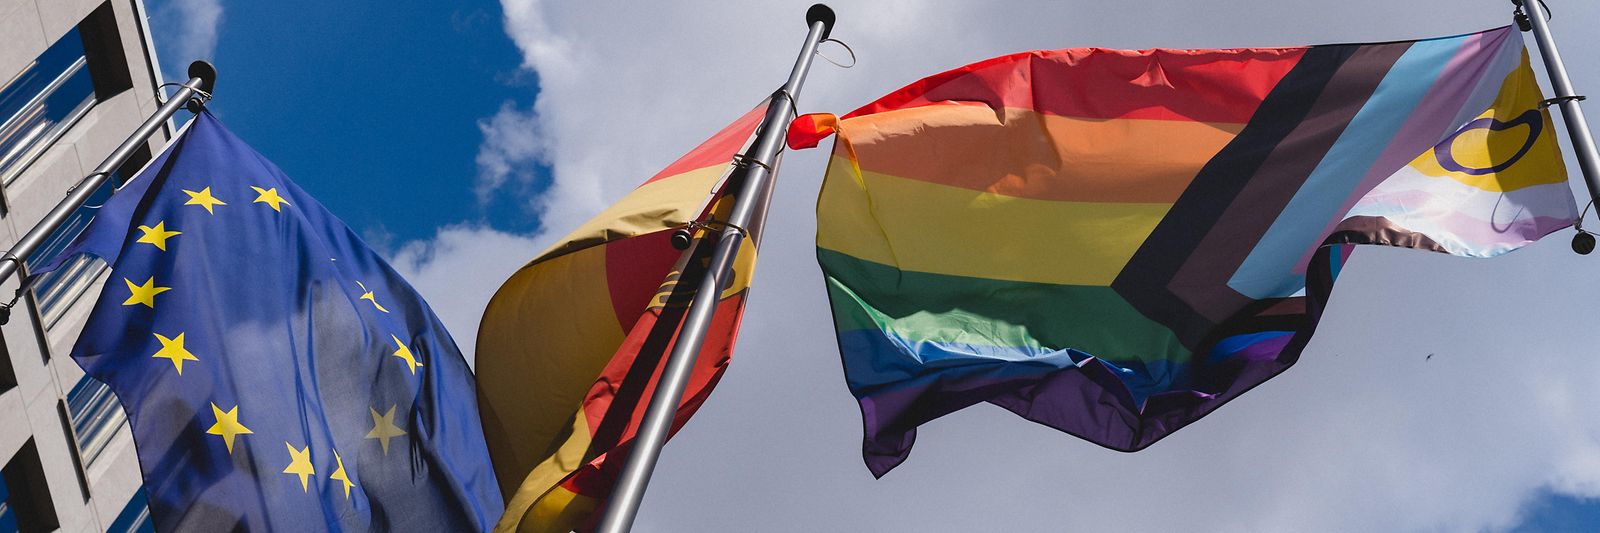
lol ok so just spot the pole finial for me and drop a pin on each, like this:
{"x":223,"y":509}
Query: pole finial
{"x":207,"y":74}
{"x":820,"y":13}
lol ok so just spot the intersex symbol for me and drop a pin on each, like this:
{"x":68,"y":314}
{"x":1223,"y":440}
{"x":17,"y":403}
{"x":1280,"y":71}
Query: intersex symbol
{"x":1531,"y":118}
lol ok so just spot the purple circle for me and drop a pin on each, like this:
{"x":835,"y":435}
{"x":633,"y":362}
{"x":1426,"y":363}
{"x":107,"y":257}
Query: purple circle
{"x":1532,"y":118}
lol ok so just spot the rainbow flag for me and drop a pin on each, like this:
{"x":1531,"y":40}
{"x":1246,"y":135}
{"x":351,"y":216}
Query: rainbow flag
{"x":1114,"y":243}
{"x":572,"y":344}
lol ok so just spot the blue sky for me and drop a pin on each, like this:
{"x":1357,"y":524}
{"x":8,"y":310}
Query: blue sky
{"x":465,"y":136}
{"x":373,"y":106}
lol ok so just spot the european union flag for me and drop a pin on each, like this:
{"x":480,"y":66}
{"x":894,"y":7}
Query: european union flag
{"x":278,"y":374}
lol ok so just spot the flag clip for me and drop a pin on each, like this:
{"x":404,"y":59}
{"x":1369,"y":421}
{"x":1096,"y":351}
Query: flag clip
{"x":1546,"y":103}
{"x":685,"y":235}
{"x":745,"y":161}
{"x":5,"y":308}
{"x":1521,"y":17}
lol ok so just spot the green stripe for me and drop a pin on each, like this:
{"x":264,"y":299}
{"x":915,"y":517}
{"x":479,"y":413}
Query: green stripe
{"x":919,"y":306}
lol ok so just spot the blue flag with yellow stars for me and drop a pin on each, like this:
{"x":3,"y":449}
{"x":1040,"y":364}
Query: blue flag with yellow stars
{"x":278,"y":374}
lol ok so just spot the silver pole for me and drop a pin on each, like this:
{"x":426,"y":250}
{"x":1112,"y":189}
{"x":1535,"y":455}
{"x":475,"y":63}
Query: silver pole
{"x":202,"y":77}
{"x":756,"y":183}
{"x":1577,"y":127}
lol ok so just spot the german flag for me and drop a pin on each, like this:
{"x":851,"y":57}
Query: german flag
{"x":572,"y":344}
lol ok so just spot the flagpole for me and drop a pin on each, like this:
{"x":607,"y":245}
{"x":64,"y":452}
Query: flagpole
{"x":1577,"y":127}
{"x":756,"y":170}
{"x":202,"y":77}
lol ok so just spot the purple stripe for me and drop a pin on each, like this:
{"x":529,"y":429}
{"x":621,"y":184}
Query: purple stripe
{"x":1088,"y":401}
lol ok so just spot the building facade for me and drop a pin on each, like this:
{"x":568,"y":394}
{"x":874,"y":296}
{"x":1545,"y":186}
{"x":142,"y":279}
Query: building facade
{"x":76,"y":78}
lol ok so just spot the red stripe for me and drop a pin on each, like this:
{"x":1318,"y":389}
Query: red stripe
{"x":1200,"y":85}
{"x":719,"y":149}
{"x":635,"y":268}
{"x":595,"y":478}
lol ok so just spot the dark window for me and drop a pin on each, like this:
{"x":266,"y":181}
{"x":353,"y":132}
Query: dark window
{"x":27,"y":496}
{"x":8,"y":519}
{"x":8,"y":377}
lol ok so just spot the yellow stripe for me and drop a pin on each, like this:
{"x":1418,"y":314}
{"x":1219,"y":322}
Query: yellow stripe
{"x":661,"y":204}
{"x":540,"y":503}
{"x":923,"y":227}
{"x":529,"y":385}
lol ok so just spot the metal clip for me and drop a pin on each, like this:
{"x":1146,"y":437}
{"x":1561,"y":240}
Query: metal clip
{"x":685,"y":235}
{"x":1546,"y":103}
{"x":5,"y":308}
{"x":743,"y":161}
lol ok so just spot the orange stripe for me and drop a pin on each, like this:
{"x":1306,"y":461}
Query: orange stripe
{"x":545,"y":336}
{"x":1026,"y":154}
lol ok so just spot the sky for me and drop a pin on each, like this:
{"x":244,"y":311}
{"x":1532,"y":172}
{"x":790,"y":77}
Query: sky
{"x":461,"y":138}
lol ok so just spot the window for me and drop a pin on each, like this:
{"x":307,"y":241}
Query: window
{"x":8,"y":377}
{"x":27,"y":504}
{"x":40,"y":103}
{"x":134,"y":518}
{"x":37,"y":107}
{"x":8,"y":519}
{"x":56,"y":290}
{"x":95,"y":415}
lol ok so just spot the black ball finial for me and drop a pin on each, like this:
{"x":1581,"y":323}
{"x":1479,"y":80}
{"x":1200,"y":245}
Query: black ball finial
{"x":207,"y":74}
{"x":681,"y":239}
{"x":820,"y":13}
{"x":1583,"y":242}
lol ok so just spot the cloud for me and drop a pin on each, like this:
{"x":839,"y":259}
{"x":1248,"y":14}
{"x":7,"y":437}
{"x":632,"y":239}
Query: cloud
{"x":458,"y":270}
{"x":511,"y":152}
{"x":1365,"y":433}
{"x":191,"y":32}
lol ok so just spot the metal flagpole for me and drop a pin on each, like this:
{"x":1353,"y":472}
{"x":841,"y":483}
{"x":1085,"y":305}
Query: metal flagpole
{"x":202,"y":77}
{"x":1532,"y":16}
{"x":757,"y":168}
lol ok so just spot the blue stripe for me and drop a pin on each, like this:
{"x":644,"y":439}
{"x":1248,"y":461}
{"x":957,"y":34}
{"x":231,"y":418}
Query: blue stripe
{"x":1231,"y":346}
{"x":875,"y":359}
{"x":1268,"y":272}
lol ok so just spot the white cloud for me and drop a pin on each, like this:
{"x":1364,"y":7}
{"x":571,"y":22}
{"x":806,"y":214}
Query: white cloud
{"x":1364,"y":434}
{"x":458,"y":271}
{"x":193,"y":26}
{"x":511,"y":151}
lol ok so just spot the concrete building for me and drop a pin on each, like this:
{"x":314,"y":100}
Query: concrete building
{"x":76,"y":77}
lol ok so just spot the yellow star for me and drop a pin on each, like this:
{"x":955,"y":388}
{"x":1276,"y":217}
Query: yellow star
{"x":300,"y":464}
{"x":173,"y":349}
{"x":143,"y":294}
{"x":227,"y":425}
{"x":367,"y":295}
{"x":405,"y":354}
{"x":157,"y":235}
{"x":383,"y":428}
{"x":270,"y":197}
{"x":340,"y":476}
{"x":203,"y":199}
